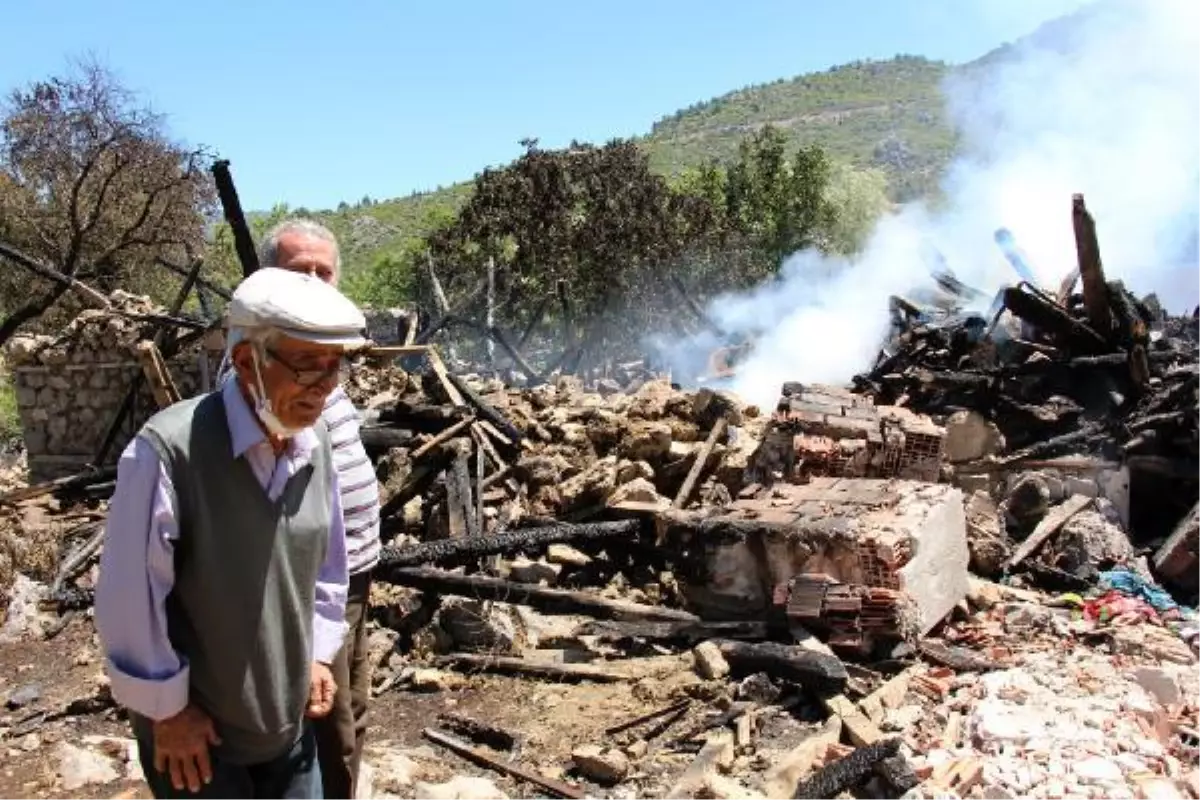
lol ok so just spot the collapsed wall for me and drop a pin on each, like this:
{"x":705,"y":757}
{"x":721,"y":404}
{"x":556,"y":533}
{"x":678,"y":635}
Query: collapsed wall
{"x":71,"y":387}
{"x":819,"y":430}
{"x":906,"y":538}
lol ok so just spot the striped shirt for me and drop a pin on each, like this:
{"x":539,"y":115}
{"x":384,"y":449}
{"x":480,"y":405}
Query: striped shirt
{"x":356,"y":477}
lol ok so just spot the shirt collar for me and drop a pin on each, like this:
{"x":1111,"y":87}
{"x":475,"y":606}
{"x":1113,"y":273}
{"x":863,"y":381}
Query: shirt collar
{"x":245,"y":431}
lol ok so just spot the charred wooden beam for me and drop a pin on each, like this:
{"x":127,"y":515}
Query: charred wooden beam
{"x":508,"y":665}
{"x":513,"y":353}
{"x":554,"y":787}
{"x":450,"y":315}
{"x":689,"y":483}
{"x":458,"y":498}
{"x":1054,"y":320}
{"x":1047,"y":527}
{"x":959,"y":659}
{"x":74,"y":598}
{"x":77,"y":561}
{"x":1087,"y":248}
{"x":683,"y":633}
{"x":382,"y":439}
{"x":727,"y":717}
{"x":486,"y":410}
{"x":480,"y":732}
{"x":545,"y":599}
{"x":1051,"y":446}
{"x":167,"y":345}
{"x":64,"y":486}
{"x":443,"y":437}
{"x":243,"y":242}
{"x":219,"y":291}
{"x":822,"y":673}
{"x":568,"y":319}
{"x":529,"y":540}
{"x":421,"y":418}
{"x":1107,"y":360}
{"x":418,"y":480}
{"x":897,"y":773}
{"x":641,"y":719}
{"x":846,"y":773}
{"x":535,"y":319}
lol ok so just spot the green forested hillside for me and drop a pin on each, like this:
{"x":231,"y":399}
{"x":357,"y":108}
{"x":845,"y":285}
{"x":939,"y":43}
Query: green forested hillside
{"x":886,"y":114}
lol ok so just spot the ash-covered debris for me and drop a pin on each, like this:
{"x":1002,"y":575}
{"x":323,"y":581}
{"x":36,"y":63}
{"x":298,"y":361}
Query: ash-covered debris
{"x":969,"y":574}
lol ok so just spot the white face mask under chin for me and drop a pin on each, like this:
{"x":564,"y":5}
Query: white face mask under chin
{"x":262,"y":408}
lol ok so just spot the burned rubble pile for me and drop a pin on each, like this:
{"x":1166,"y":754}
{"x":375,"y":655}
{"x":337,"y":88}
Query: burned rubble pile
{"x":603,"y":585}
{"x":1075,"y":411}
{"x":774,"y":631}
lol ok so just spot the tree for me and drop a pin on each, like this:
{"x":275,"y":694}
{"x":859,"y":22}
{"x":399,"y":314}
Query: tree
{"x":778,"y":202}
{"x":595,"y":217}
{"x":859,"y":198}
{"x":91,"y":185}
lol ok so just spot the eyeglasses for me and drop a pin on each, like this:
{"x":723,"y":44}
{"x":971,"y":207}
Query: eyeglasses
{"x":310,"y":377}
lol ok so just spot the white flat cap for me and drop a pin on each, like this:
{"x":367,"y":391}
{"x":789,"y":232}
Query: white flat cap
{"x":297,"y":305}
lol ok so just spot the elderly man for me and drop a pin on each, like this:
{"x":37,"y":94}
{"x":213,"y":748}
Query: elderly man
{"x":221,"y":597}
{"x":300,"y":245}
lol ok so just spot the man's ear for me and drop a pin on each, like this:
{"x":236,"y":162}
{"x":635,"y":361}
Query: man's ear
{"x":243,"y":357}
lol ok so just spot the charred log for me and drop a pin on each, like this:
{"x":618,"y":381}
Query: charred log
{"x":529,"y":540}
{"x":822,"y":673}
{"x":545,"y":599}
{"x":486,"y":410}
{"x":846,"y":773}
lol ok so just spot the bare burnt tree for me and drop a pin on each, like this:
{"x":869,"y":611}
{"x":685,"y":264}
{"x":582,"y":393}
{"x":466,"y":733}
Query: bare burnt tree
{"x":91,"y":185}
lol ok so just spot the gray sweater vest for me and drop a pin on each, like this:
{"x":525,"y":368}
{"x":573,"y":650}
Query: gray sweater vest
{"x":241,"y":611}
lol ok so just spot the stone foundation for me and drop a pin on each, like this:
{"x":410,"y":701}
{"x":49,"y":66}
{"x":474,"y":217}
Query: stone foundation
{"x":897,"y":535}
{"x":70,"y":387}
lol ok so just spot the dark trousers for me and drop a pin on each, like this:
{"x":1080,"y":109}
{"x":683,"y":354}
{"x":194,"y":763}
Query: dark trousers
{"x":294,"y":774}
{"x":340,"y":734}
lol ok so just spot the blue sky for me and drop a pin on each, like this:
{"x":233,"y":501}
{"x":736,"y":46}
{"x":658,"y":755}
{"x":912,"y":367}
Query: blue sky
{"x":315,"y":103}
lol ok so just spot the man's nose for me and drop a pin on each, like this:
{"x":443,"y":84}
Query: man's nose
{"x":327,"y":382}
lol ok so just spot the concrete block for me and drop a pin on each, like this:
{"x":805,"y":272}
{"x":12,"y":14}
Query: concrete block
{"x":970,"y":437}
{"x":903,"y":535}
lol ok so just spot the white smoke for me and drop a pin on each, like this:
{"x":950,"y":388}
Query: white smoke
{"x":1106,"y":103}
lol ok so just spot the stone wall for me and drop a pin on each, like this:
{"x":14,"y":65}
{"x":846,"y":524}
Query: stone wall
{"x":903,"y":536}
{"x":70,"y":387}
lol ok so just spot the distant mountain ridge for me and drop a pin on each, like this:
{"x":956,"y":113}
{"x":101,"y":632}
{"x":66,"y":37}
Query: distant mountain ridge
{"x":888,"y":115}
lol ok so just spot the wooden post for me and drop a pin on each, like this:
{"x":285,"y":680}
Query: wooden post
{"x":1087,"y":248}
{"x":689,"y":483}
{"x":243,"y":242}
{"x":438,"y":294}
{"x":128,"y":402}
{"x":490,"y":314}
{"x":568,"y":322}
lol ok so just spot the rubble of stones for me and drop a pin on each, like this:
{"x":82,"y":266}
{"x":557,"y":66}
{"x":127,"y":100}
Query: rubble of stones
{"x":607,"y":532}
{"x":71,"y":384}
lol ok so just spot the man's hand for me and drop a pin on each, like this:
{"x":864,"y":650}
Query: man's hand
{"x":321,"y":689}
{"x":181,"y":747}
